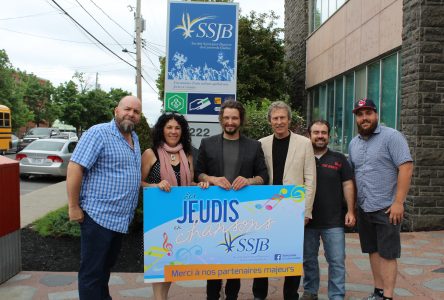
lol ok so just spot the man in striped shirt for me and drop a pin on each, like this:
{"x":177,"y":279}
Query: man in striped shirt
{"x":103,"y":183}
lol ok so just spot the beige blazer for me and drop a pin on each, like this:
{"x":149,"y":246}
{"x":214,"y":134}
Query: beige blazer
{"x":300,"y":166}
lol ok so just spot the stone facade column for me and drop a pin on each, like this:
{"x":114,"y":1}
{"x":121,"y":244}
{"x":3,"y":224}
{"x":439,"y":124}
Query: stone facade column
{"x":422,"y":111}
{"x":296,"y":32}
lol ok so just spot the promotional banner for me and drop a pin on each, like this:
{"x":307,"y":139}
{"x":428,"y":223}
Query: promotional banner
{"x":192,"y":233}
{"x":201,"y":58}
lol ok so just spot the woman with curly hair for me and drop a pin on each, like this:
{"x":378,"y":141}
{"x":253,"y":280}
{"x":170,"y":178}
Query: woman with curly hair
{"x":169,"y":163}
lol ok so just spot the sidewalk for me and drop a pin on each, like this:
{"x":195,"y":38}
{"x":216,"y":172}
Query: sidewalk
{"x":421,"y":268}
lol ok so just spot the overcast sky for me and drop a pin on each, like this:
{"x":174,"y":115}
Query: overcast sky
{"x":39,"y":39}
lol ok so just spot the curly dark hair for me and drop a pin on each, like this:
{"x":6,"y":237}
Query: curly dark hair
{"x":185,"y":138}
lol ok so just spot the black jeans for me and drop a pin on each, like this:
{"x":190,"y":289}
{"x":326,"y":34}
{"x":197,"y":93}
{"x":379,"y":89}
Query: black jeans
{"x":231,"y":289}
{"x":291,"y":285}
{"x":100,"y":248}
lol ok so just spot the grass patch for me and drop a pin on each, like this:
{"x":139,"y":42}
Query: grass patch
{"x":57,"y":224}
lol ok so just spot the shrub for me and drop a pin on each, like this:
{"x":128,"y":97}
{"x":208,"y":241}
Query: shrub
{"x":57,"y":224}
{"x":145,"y":138}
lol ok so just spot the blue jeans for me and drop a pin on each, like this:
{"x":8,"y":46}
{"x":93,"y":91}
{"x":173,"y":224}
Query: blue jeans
{"x":333,"y":240}
{"x":99,"y":249}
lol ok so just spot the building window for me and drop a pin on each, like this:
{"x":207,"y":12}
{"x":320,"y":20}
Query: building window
{"x":336,"y":125}
{"x":387,"y":114}
{"x":322,"y":10}
{"x":334,"y":100}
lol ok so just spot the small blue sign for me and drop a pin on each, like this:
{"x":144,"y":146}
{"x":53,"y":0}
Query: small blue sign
{"x":206,"y":104}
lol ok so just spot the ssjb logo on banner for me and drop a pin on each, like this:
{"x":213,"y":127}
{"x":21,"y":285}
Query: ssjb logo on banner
{"x":197,"y":28}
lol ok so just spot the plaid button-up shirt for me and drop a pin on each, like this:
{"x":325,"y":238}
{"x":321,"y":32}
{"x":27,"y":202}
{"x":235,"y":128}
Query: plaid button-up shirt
{"x":111,"y":177}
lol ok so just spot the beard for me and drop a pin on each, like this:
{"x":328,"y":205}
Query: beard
{"x":231,"y":131}
{"x":367,"y":131}
{"x":125,"y":126}
{"x":319,"y":148}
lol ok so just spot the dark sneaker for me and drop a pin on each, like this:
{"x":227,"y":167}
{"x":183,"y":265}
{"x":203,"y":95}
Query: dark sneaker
{"x":373,"y":296}
{"x":309,"y":296}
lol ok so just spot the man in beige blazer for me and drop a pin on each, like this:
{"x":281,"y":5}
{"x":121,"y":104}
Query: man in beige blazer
{"x":290,"y":160}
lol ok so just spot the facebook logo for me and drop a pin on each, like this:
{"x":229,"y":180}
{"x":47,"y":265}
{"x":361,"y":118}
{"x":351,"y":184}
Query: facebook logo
{"x":277,"y":257}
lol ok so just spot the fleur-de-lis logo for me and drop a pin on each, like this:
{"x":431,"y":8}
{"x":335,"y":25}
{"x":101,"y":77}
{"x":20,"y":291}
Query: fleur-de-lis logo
{"x":188,"y":24}
{"x":229,"y":240}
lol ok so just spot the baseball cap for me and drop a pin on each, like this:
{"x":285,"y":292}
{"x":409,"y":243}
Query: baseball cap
{"x":364,"y":103}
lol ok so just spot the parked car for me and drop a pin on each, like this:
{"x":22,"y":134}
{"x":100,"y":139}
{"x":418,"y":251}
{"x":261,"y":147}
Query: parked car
{"x":72,"y":136}
{"x":14,"y":144}
{"x":35,"y":134}
{"x":45,"y":157}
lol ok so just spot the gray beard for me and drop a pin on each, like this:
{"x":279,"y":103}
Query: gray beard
{"x":126,"y":127}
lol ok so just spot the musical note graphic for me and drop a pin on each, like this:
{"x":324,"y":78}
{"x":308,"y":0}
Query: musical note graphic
{"x":168,"y":247}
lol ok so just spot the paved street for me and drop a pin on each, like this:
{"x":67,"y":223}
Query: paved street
{"x":35,"y":182}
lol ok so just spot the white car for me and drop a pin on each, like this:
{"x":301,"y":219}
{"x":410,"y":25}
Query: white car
{"x":46,"y":157}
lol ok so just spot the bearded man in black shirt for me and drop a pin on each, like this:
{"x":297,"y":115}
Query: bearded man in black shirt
{"x":334,"y":183}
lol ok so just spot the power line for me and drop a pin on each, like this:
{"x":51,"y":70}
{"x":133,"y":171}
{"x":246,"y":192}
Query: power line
{"x":111,"y":19}
{"x":30,"y":16}
{"x":147,"y":56}
{"x":78,"y":24}
{"x":109,"y":34}
{"x":154,"y":50}
{"x":143,"y":77}
{"x":55,"y":39}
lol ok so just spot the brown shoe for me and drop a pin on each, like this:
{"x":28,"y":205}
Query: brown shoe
{"x":309,"y":296}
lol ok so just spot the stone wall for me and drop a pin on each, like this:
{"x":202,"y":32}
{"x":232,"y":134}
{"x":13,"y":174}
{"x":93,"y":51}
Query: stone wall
{"x":296,"y":32}
{"x":422,"y":112}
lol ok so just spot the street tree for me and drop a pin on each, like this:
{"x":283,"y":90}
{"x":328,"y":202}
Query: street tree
{"x":37,"y":96}
{"x":11,"y":93}
{"x":66,"y":95}
{"x":97,"y":106}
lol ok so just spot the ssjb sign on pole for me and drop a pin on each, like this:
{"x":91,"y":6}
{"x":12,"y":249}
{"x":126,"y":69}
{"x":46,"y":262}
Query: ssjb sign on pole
{"x":201,"y":64}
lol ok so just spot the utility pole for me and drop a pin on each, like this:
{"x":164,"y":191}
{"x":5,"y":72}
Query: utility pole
{"x":139,"y":30}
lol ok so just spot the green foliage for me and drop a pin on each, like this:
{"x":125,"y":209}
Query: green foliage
{"x":145,"y":139}
{"x":144,"y":133}
{"x":98,"y":107}
{"x":160,"y":82}
{"x":260,"y":64}
{"x":57,"y":224}
{"x":37,"y":96}
{"x":12,"y":92}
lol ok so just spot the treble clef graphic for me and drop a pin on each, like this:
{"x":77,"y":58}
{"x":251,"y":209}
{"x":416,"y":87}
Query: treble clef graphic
{"x":167,"y":246}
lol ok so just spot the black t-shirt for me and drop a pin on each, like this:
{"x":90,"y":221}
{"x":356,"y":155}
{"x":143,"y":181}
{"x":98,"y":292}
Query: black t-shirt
{"x":279,"y":150}
{"x":332,"y":170}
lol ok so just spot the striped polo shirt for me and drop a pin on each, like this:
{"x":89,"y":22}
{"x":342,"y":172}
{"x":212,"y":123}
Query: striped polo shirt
{"x":111,"y":178}
{"x":375,"y":162}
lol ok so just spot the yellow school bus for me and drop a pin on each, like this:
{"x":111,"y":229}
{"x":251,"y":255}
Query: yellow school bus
{"x":5,"y":129}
